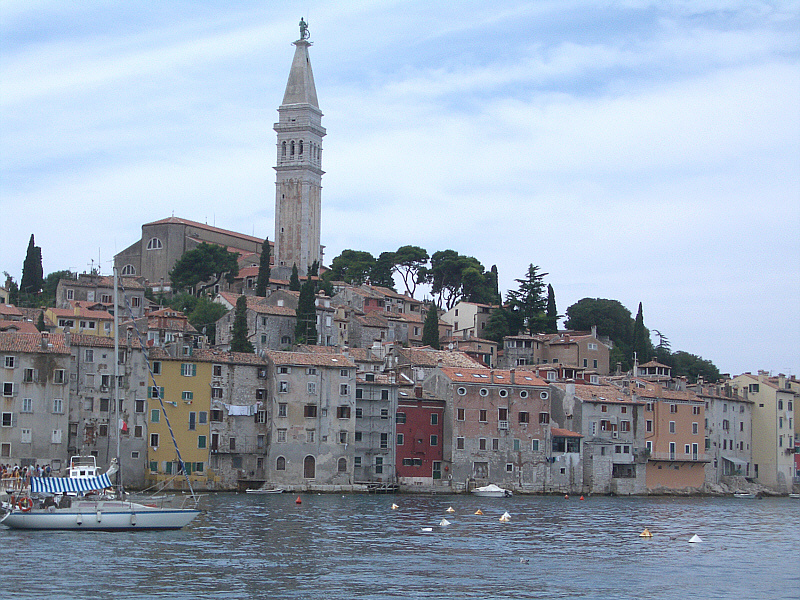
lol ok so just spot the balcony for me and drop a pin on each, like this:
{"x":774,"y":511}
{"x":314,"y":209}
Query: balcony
{"x":679,"y":457}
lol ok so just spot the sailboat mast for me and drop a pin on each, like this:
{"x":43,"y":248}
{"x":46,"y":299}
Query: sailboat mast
{"x":116,"y":368}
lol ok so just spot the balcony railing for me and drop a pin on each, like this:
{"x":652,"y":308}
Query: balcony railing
{"x":680,"y":456}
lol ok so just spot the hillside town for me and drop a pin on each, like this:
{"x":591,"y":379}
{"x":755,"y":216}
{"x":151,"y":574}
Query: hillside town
{"x":353,"y":396}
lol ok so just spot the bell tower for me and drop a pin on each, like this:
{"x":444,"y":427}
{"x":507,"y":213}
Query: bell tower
{"x":299,"y":167}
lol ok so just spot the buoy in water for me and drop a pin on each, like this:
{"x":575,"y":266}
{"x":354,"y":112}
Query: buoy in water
{"x":395,"y":507}
{"x":451,"y":510}
{"x":444,"y":523}
{"x":581,"y":497}
{"x":427,"y":529}
{"x":505,"y":518}
{"x":298,"y":501}
{"x":695,"y":539}
{"x":646,"y":533}
{"x":566,"y":496}
{"x":479,"y":512}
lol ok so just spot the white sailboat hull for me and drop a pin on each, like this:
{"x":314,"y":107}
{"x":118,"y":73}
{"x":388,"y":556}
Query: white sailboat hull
{"x":103,"y":515}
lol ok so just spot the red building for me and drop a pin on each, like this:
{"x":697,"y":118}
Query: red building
{"x":419,"y":429}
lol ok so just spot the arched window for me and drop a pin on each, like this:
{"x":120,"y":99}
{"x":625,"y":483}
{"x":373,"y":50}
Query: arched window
{"x":342,"y":466}
{"x":291,"y":150}
{"x":283,"y":148}
{"x":280,"y":464}
{"x":300,"y":151}
{"x":154,"y":244}
{"x":285,"y":340}
{"x":129,"y":270}
{"x":309,"y":467}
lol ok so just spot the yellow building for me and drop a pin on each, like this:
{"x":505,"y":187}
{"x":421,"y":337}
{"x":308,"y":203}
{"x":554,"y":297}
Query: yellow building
{"x":81,"y":319}
{"x":184,"y":384}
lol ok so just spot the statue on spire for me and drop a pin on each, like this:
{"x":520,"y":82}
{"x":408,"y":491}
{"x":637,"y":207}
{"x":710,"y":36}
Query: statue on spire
{"x":303,"y":29}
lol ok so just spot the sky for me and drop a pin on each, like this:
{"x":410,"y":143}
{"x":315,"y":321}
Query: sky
{"x":638,"y":151}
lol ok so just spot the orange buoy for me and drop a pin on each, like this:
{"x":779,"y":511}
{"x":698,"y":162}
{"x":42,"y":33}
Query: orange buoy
{"x":298,"y":501}
{"x":566,"y":496}
{"x":581,"y":497}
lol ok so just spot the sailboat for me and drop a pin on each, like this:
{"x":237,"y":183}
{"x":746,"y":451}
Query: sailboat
{"x":86,"y":499}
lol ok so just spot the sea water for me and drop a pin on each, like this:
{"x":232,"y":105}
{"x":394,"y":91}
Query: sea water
{"x":357,"y":546}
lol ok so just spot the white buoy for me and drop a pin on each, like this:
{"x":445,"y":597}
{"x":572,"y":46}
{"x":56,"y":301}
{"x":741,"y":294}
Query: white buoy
{"x":395,"y":507}
{"x":695,"y":539}
{"x":444,"y":523}
{"x":646,"y":533}
{"x":451,"y":510}
{"x":505,"y":518}
{"x":427,"y":529}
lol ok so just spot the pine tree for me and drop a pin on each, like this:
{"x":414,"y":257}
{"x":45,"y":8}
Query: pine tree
{"x":552,"y":313}
{"x":305,"y":330}
{"x":32,"y":273}
{"x":294,"y":280}
{"x":430,"y":330}
{"x":239,"y":342}
{"x":529,"y":301}
{"x":262,"y":283}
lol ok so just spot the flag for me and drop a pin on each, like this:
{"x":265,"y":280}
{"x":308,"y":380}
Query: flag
{"x":123,"y":426}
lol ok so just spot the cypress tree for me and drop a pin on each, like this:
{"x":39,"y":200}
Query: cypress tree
{"x":239,"y":341}
{"x":552,"y":313}
{"x":305,"y":329}
{"x":40,"y":322}
{"x":640,"y":345}
{"x":263,"y":270}
{"x":430,"y":330}
{"x":32,"y":273}
{"x":294,"y":280}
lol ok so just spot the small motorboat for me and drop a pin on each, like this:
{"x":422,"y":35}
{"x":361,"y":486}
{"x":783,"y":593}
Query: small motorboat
{"x":264,"y":491}
{"x":491,"y":491}
{"x":745,"y":495}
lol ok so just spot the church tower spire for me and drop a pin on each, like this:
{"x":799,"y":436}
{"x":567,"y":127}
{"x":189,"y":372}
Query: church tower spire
{"x":299,"y":166}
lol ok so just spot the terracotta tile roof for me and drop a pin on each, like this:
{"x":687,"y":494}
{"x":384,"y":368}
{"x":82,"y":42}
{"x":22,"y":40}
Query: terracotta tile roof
{"x":32,"y":343}
{"x":9,"y":310}
{"x":599,"y":393}
{"x":247,"y":272}
{"x":31,"y":314}
{"x":372,"y":320}
{"x":556,"y":432}
{"x":461,"y":340}
{"x":484,"y":376}
{"x":654,"y":363}
{"x":380,"y":379}
{"x":21,"y":326}
{"x":95,"y":341}
{"x":310,"y":359}
{"x":205,"y":227}
{"x":81,"y":313}
{"x":653,"y":392}
{"x":363,"y":355}
{"x":103,"y":281}
{"x":425,"y":356}
{"x":210,"y":355}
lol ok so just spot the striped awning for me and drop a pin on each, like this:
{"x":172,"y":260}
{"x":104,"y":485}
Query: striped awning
{"x":58,"y":485}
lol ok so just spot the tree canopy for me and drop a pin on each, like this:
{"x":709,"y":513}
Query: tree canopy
{"x":206,"y":264}
{"x":305,"y":330}
{"x":239,"y":341}
{"x":50,"y":285}
{"x":409,"y":262}
{"x":454,"y":277}
{"x":352,"y":266}
{"x":381,"y":273}
{"x":529,"y":301}
{"x":430,"y":329}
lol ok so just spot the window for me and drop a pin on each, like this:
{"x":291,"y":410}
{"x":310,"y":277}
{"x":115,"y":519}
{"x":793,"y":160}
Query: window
{"x":155,"y":392}
{"x":534,"y":445}
{"x":649,"y":407}
{"x":462,"y":391}
{"x":343,"y":412}
{"x":261,"y":416}
{"x":695,"y":410}
{"x":27,"y":405}
{"x":344,"y":372}
{"x":28,"y":375}
{"x":311,"y":435}
{"x":283,"y":387}
{"x":232,"y":444}
{"x":310,"y":411}
{"x":648,"y":426}
{"x":154,"y":440}
{"x":187,"y":397}
{"x":8,"y":389}
{"x":281,"y":436}
{"x":154,"y":244}
{"x":280,"y":464}
{"x":673,"y":408}
{"x":384,"y":414}
{"x":523,"y":394}
{"x":484,"y":392}
{"x":625,"y":426}
{"x":342,"y":437}
{"x":460,"y":414}
{"x":400,"y":439}
{"x":58,"y":376}
{"x":434,"y":440}
{"x":459,"y":443}
{"x":483,"y":416}
{"x":10,"y":362}
{"x":503,"y":393}
{"x":157,"y":367}
{"x":8,"y":419}
{"x":695,"y":428}
{"x":591,"y":346}
{"x":136,"y":302}
{"x":312,"y":388}
{"x":603,"y":408}
{"x":192,"y":421}
{"x":137,"y":431}
{"x":434,"y":418}
{"x":58,"y":405}
{"x":378,"y":465}
{"x":344,"y":390}
{"x":359,"y":393}
{"x":282,"y":406}
{"x":216,"y":415}
{"x":384,"y":440}
{"x":216,"y":392}
{"x":201,"y":441}
{"x":400,"y":418}
{"x":358,"y":436}
{"x":481,"y":443}
{"x":311,"y":371}
{"x":155,"y":415}
{"x":341,"y":465}
{"x":188,"y":369}
{"x":544,"y":417}
{"x":672,"y":426}
{"x":509,"y":467}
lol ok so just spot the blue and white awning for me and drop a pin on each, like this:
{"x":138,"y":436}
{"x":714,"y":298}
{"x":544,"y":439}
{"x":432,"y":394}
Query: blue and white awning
{"x":59,"y":485}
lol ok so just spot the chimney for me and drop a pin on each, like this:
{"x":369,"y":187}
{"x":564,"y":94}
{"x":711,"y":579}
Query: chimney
{"x":570,"y":388}
{"x":46,"y":338}
{"x":439,"y":363}
{"x":491,"y":375}
{"x":513,"y":374}
{"x":594,"y":331}
{"x":67,"y":337}
{"x":418,"y":391}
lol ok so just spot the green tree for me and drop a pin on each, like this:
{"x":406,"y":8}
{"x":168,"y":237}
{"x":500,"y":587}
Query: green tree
{"x":40,"y":325}
{"x":262,"y":282}
{"x":381,"y":273}
{"x":530,"y":301}
{"x":641,"y":345}
{"x":184,"y":303}
{"x":453,"y":277}
{"x":204,"y":317}
{"x":430,"y":329}
{"x":305,"y":330}
{"x":294,"y":280}
{"x":497,"y":326}
{"x":612,"y":319}
{"x":313,"y":270}
{"x":50,"y":284}
{"x":239,"y":341}
{"x":662,"y":350}
{"x":409,"y":263}
{"x":207,"y":263}
{"x":551,"y":325}
{"x":352,"y":266}
{"x":32,"y":274}
{"x":690,"y":366}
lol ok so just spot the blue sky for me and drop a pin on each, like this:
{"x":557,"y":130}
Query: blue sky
{"x":641,"y":151}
